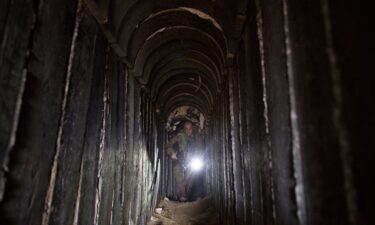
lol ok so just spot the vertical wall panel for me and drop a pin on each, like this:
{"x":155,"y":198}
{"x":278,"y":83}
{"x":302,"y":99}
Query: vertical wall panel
{"x":75,"y":121}
{"x":277,"y":99}
{"x":253,"y":81}
{"x":351,"y":50}
{"x":90,"y":157}
{"x":108,"y":165}
{"x":314,"y":102}
{"x":40,"y":113}
{"x":16,"y":28}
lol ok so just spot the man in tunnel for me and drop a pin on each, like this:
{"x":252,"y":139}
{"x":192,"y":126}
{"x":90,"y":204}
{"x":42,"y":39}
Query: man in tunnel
{"x":177,"y":149}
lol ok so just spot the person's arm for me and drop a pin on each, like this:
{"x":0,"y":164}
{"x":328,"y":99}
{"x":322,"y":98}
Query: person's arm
{"x":170,"y":149}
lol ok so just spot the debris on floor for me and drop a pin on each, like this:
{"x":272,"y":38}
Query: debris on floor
{"x":200,"y":212}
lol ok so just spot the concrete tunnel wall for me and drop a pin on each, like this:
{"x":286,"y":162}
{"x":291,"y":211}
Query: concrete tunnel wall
{"x":85,"y":150}
{"x":282,"y":138}
{"x":288,"y":125}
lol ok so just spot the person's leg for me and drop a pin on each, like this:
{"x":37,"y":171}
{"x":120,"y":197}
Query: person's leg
{"x":180,"y":181}
{"x":195,"y":186}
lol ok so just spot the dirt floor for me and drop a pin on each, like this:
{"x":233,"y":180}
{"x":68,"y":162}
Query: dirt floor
{"x":185,"y":213}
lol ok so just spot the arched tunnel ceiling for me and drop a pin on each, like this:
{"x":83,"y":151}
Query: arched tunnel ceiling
{"x":180,"y":50}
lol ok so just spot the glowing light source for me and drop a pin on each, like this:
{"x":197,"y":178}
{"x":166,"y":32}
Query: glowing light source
{"x":196,"y":164}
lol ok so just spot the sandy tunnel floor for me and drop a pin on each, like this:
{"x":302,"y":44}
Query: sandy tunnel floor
{"x":185,"y":213}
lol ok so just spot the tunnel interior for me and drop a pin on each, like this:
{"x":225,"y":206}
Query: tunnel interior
{"x":92,"y":90}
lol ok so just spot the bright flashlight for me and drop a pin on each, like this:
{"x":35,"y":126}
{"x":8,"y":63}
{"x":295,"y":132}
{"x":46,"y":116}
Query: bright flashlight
{"x":196,"y":164}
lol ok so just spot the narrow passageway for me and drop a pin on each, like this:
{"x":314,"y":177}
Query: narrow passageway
{"x":134,"y":112}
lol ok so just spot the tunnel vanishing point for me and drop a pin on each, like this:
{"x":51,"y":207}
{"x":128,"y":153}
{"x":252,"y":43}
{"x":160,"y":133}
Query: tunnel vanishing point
{"x":286,"y":88}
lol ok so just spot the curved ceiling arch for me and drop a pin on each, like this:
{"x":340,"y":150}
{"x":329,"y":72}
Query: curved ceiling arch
{"x":168,"y":35}
{"x":171,"y":18}
{"x":188,"y":73}
{"x":195,"y":81}
{"x":196,"y":12}
{"x":184,"y":96}
{"x":184,"y":87}
{"x":132,"y":13}
{"x":145,"y":66}
{"x":195,"y":59}
{"x":187,"y":64}
{"x":178,"y":50}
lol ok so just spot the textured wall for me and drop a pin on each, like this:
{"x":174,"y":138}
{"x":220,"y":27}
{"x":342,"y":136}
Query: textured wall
{"x":78,"y":140}
{"x":281,"y":140}
{"x":286,"y":86}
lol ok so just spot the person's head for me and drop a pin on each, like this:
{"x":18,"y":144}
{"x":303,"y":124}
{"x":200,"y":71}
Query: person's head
{"x":188,"y":128}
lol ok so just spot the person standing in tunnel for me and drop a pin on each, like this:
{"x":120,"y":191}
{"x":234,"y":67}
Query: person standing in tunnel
{"x":177,"y":149}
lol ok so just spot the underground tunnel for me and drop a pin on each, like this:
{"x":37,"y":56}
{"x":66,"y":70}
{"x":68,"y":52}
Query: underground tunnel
{"x":278,"y":95}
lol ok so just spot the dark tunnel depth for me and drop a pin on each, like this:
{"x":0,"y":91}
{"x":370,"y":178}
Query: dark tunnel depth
{"x":282,"y":93}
